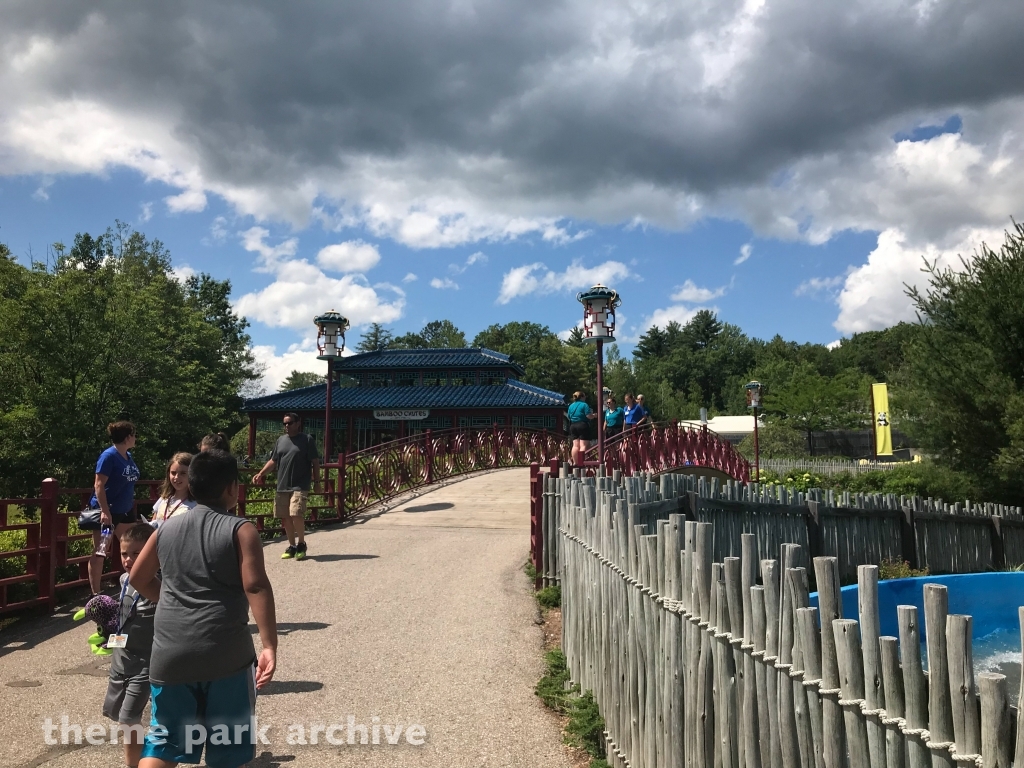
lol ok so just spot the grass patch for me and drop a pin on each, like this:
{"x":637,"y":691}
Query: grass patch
{"x":584,"y":728}
{"x":550,"y":597}
{"x":530,"y":570}
{"x":898,"y":569}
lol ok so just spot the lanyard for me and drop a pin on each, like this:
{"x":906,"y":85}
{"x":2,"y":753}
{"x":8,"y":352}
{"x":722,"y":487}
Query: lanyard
{"x":166,"y":514}
{"x":120,"y":602}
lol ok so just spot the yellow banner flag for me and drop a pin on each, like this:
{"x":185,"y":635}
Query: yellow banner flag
{"x":880,"y":418}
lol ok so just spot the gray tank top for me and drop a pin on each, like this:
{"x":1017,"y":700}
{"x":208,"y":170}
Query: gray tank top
{"x":201,"y":628}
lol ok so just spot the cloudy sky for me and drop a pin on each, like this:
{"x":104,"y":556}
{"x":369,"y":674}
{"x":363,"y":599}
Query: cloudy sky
{"x":785,"y":162}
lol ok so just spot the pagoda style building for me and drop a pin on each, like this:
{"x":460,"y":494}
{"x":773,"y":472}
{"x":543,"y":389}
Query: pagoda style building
{"x":394,"y":393}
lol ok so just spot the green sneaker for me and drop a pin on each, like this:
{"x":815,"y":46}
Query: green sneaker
{"x":288,"y":553}
{"x":300,"y":551}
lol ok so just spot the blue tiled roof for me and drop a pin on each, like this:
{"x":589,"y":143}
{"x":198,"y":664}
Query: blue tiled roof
{"x":426,"y":358}
{"x":512,"y":394}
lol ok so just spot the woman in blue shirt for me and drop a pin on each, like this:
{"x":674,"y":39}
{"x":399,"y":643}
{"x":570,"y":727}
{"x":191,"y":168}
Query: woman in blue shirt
{"x":613,"y":416}
{"x":116,"y":475}
{"x":632,"y":412}
{"x":579,"y":427}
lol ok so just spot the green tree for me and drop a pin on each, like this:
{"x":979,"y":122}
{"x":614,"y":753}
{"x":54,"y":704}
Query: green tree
{"x":375,"y":338}
{"x":107,"y":332}
{"x":964,"y":380}
{"x":547,"y":362}
{"x":437,"y":334}
{"x":810,"y":402}
{"x":298,"y":379}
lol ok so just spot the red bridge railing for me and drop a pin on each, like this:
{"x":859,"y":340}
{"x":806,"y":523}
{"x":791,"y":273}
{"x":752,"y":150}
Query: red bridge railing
{"x":43,"y":553}
{"x":668,"y":446}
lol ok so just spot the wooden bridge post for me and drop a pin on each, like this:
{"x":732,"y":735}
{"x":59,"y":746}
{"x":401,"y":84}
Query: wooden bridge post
{"x":429,"y":455}
{"x":537,"y":523}
{"x":47,"y":562}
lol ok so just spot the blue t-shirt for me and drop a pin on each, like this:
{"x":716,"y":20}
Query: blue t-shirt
{"x":578,"y":411}
{"x":613,"y":418}
{"x":634,"y":414}
{"x":122,"y":475}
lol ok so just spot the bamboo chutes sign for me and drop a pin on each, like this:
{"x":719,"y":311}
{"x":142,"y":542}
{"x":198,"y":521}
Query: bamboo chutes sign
{"x":881,"y":422}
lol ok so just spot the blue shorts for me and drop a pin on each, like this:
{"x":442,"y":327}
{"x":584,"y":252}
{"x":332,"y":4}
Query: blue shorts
{"x":218,"y":715}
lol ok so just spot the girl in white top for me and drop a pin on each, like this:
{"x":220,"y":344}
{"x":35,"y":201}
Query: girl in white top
{"x":175,"y":497}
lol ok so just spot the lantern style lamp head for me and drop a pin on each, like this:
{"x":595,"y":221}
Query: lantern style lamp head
{"x":599,"y":304}
{"x":330,"y":340}
{"x":754,"y":394}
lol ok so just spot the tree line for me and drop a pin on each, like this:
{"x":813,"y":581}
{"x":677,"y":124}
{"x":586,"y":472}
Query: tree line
{"x":105,"y":330}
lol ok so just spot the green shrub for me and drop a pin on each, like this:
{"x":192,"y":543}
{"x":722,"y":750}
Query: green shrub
{"x":585,"y":728}
{"x":550,"y":597}
{"x":10,"y":541}
{"x":553,"y":687}
{"x":898,"y":569}
{"x":775,"y":441}
{"x":530,"y":570}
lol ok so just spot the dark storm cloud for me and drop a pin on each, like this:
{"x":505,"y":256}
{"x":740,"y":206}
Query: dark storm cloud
{"x":572,"y":97}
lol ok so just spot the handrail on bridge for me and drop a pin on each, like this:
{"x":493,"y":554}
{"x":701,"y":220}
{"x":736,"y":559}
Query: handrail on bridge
{"x":666,"y":446}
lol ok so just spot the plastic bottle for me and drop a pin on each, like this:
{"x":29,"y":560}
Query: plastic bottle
{"x":106,"y":534}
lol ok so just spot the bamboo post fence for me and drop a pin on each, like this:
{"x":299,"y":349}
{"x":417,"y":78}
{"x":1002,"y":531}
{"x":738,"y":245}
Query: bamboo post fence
{"x":701,"y":658}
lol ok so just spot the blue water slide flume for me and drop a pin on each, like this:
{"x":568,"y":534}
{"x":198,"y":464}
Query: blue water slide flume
{"x":992,"y":599}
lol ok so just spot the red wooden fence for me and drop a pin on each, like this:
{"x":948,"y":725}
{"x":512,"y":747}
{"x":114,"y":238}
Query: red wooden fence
{"x":47,"y":562}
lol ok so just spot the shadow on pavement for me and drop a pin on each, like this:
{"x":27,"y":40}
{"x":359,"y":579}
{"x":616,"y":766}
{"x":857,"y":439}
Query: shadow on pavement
{"x":287,"y":627}
{"x":290,"y":686}
{"x":34,"y":628}
{"x":429,"y":507}
{"x":336,"y":558}
{"x":268,"y":760}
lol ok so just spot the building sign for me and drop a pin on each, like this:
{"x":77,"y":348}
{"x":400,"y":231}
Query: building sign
{"x":400,"y":414}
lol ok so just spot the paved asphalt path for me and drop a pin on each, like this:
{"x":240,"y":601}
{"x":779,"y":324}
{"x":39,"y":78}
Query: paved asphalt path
{"x":417,"y":615}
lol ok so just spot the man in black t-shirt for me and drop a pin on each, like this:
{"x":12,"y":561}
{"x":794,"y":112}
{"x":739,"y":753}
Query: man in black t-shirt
{"x":298,"y":464}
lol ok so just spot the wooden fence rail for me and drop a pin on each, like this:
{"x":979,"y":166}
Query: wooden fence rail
{"x":704,"y":662}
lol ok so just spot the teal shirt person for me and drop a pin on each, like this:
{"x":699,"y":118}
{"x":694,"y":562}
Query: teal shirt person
{"x":613,"y":418}
{"x":578,"y":411}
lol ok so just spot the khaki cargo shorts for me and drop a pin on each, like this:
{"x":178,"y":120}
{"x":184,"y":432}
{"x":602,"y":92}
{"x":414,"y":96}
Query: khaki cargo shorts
{"x":290,"y":504}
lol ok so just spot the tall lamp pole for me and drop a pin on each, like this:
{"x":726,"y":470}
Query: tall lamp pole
{"x":754,"y":402}
{"x":599,"y":305}
{"x":330,"y":342}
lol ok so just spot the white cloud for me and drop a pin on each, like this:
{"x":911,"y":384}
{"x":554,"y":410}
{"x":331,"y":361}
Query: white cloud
{"x":818,"y":285}
{"x":874,"y":295}
{"x":443,"y":284}
{"x":476,"y":258}
{"x":834,"y":344}
{"x":182,"y":273}
{"x":745,"y":250}
{"x":41,"y":194}
{"x":301,"y":290}
{"x":410,"y":278}
{"x":692,"y":293}
{"x":538,"y":279}
{"x":298,"y":357}
{"x":350,"y":256}
{"x":674,"y":314}
{"x":564,"y":335}
{"x":189,"y":201}
{"x":146,"y":212}
{"x":253,"y":240}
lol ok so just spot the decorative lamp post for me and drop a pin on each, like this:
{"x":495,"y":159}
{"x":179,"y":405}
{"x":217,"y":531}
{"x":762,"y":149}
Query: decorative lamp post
{"x":599,"y":304}
{"x":330,"y":342}
{"x":754,"y":402}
